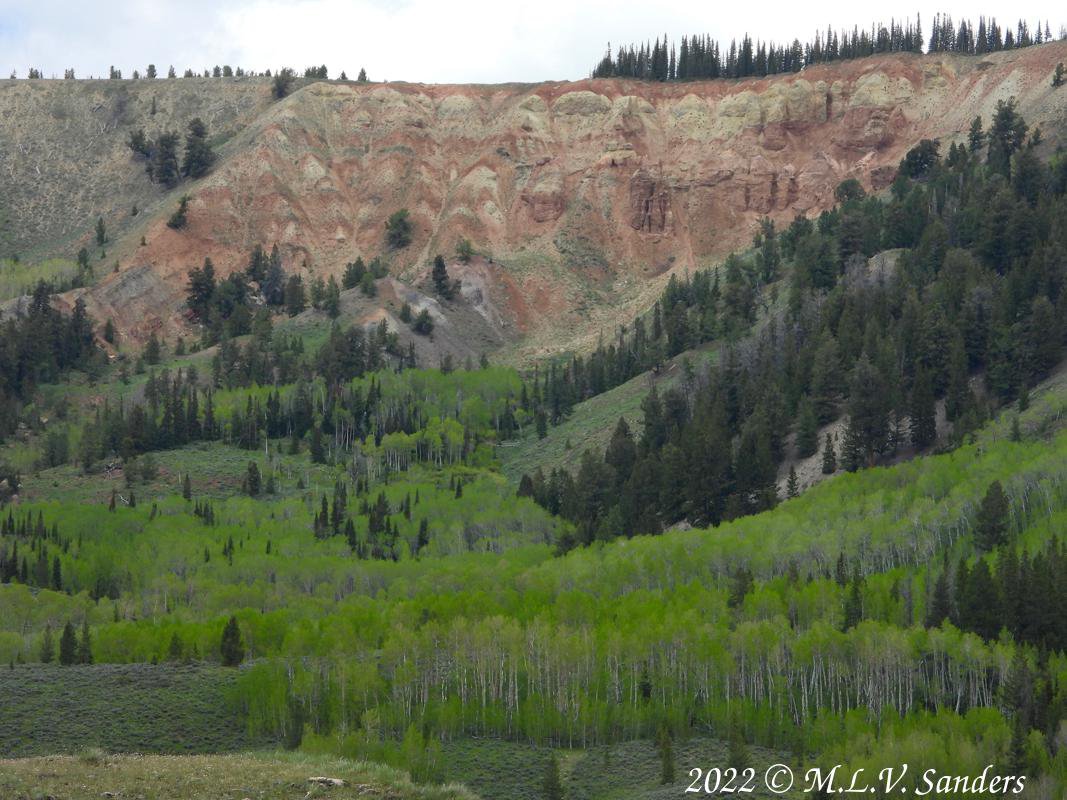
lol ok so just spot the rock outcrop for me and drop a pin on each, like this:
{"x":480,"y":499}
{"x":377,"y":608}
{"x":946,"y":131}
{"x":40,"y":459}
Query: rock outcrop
{"x":585,"y":195}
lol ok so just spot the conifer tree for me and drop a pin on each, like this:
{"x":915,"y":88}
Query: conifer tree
{"x":829,"y":459}
{"x":231,"y":648}
{"x":282,"y":83}
{"x":807,"y":429}
{"x":68,"y":646}
{"x":853,"y":613}
{"x":187,"y":487}
{"x":738,"y":756}
{"x":976,"y":136}
{"x":398,"y":230}
{"x":331,"y":302}
{"x":295,"y":296}
{"x":665,"y":748}
{"x":48,"y":646}
{"x":85,"y":648}
{"x":367,"y":285}
{"x":152,"y":350}
{"x":198,"y":153}
{"x":552,"y":784}
{"x":423,"y":324}
{"x":179,"y":219}
{"x":991,"y":522}
{"x":252,"y":480}
{"x":164,"y":167}
{"x":792,"y":487}
{"x":175,"y":651}
{"x":939,"y":604}
{"x":318,"y":452}
{"x":442,"y":285}
{"x":923,"y":424}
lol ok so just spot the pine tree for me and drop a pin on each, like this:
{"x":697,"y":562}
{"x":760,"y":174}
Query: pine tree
{"x":152,"y":350}
{"x":552,"y":784}
{"x":232,"y":648}
{"x":282,"y":83}
{"x":175,"y":651}
{"x":923,"y":423}
{"x":991,"y":522}
{"x":807,"y":429}
{"x":198,"y":154}
{"x":868,"y":412}
{"x":423,"y":324}
{"x":398,"y":230}
{"x":295,"y":296}
{"x":253,"y":482}
{"x":442,"y":285}
{"x":792,"y":487}
{"x":829,"y":459}
{"x":179,"y":219}
{"x":318,"y":453}
{"x":331,"y":302}
{"x":940,"y":607}
{"x":48,"y":646}
{"x":737,"y":756}
{"x":976,"y":137}
{"x":85,"y":648}
{"x":541,"y":422}
{"x":464,"y":250}
{"x":164,"y":167}
{"x":68,"y":646}
{"x":853,"y":612}
{"x":101,"y":232}
{"x":187,"y":487}
{"x":665,"y":748}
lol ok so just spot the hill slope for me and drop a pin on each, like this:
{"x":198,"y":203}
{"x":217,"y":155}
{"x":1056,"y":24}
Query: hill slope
{"x":585,"y":194}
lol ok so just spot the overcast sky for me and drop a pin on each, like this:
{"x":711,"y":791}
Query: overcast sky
{"x":437,"y":41}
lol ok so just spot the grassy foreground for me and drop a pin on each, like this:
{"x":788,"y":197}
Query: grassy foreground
{"x":172,"y":708}
{"x":264,"y":776}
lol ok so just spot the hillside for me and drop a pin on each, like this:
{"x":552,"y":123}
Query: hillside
{"x":145,"y":708}
{"x":583,"y":196}
{"x":95,"y":774}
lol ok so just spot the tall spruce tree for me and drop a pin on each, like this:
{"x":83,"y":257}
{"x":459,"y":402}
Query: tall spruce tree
{"x":552,"y":784}
{"x":198,"y":153}
{"x":991,"y":522}
{"x":68,"y":646}
{"x":231,"y":647}
{"x":807,"y":440}
{"x":665,"y":748}
{"x":85,"y":647}
{"x":48,"y":646}
{"x":923,"y":423}
{"x":442,"y":284}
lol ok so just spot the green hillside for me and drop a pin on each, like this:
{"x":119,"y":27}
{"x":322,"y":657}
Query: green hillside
{"x":282,"y":776}
{"x":303,"y":535}
{"x":172,"y":708}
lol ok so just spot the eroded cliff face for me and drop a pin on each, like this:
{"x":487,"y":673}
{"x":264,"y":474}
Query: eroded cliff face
{"x":584,"y":195}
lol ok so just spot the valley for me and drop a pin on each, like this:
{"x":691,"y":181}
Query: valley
{"x":540,"y":440}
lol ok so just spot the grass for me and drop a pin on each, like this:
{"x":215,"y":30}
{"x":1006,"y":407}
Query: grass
{"x":624,"y":771}
{"x":18,"y":278}
{"x":167,"y":708}
{"x":216,"y":469}
{"x":264,"y":776}
{"x":591,"y":422}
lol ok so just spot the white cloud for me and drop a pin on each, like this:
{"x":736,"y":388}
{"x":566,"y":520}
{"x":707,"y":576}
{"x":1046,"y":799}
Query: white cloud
{"x":415,"y":40}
